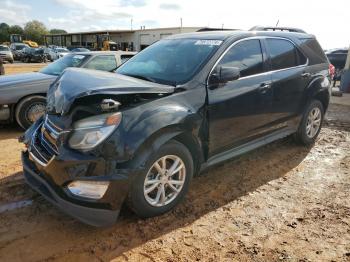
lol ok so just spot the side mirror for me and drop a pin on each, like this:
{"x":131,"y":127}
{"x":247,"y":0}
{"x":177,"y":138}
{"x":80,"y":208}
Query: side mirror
{"x":224,"y":74}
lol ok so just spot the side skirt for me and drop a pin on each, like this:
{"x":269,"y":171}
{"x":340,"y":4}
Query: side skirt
{"x":246,"y":147}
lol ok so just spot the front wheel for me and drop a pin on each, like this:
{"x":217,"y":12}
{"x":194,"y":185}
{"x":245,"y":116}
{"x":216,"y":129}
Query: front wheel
{"x":164,"y":183}
{"x":311,"y":123}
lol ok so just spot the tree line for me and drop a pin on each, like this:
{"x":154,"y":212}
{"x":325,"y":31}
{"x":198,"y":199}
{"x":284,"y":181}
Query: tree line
{"x":32,"y":30}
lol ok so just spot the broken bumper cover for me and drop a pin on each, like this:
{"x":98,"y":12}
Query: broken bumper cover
{"x":95,"y":214}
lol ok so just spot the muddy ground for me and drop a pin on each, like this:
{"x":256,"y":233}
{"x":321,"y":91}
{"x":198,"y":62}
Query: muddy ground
{"x":280,"y":202}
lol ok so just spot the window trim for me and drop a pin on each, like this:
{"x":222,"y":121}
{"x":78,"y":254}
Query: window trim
{"x":264,"y":49}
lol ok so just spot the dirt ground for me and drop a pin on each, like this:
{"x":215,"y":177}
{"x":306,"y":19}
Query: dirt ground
{"x":280,"y":202}
{"x":18,"y":67}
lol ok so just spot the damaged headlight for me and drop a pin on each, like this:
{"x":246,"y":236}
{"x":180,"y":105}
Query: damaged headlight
{"x":90,"y":132}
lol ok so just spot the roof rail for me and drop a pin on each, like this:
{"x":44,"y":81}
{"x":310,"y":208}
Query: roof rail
{"x":274,"y":28}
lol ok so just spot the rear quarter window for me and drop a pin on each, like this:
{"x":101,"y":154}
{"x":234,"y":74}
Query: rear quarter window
{"x":313,"y":51}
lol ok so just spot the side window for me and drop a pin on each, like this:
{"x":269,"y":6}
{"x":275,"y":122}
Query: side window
{"x":247,"y":56}
{"x":284,"y":54}
{"x":103,"y":62}
{"x":125,"y":58}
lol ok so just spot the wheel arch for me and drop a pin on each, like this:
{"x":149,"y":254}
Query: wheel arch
{"x":318,"y":89}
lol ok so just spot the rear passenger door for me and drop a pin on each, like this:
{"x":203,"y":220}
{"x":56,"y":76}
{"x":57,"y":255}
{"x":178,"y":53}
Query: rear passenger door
{"x":290,"y":78}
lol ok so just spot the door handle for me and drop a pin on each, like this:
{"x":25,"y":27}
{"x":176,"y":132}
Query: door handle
{"x":306,"y":75}
{"x":264,"y":87}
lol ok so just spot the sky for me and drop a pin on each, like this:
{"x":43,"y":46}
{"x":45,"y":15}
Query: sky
{"x":328,"y":20}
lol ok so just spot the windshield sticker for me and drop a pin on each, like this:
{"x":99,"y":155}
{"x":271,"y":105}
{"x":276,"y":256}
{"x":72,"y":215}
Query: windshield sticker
{"x":208,"y":42}
{"x":78,"y":57}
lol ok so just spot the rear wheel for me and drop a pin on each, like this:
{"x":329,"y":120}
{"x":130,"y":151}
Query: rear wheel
{"x":164,"y":183}
{"x":311,"y":123}
{"x":29,"y":110}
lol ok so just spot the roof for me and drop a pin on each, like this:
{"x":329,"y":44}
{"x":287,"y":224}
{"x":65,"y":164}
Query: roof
{"x":223,"y":35}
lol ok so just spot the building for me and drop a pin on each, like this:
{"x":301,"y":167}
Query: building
{"x":133,"y":40}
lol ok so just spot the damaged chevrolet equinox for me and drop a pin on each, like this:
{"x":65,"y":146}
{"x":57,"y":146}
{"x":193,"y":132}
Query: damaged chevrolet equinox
{"x":139,"y":135}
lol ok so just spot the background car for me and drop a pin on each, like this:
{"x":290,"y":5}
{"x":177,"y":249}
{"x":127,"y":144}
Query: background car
{"x":61,"y":51}
{"x":6,"y":54}
{"x":51,"y":54}
{"x":80,"y":49}
{"x":337,"y":57}
{"x":33,"y":55}
{"x":22,"y":96}
{"x":16,"y":49}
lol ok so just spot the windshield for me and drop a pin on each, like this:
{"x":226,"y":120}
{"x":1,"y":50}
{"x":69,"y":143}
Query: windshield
{"x":57,"y":67}
{"x":20,"y":47}
{"x":170,"y":61}
{"x":4,"y":48}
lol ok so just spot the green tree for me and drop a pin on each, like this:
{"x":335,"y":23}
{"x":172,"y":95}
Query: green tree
{"x":16,"y":29}
{"x":35,"y":31}
{"x":55,"y":31}
{"x":4,"y":33}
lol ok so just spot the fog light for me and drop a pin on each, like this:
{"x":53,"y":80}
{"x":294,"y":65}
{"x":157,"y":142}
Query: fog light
{"x":89,"y":189}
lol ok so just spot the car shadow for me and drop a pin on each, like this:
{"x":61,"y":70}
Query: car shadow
{"x":213,"y":189}
{"x":10,"y":131}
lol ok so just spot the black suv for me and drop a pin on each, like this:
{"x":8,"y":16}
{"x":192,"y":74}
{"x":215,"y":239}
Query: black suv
{"x":187,"y":102}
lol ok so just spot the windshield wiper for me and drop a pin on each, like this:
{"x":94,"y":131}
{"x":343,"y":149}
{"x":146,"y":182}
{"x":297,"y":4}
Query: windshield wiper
{"x":142,"y":77}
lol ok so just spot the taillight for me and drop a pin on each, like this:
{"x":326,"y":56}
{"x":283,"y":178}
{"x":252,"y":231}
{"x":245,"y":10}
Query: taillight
{"x":331,"y":70}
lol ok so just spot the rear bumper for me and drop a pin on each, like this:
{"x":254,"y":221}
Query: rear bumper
{"x":89,"y":215}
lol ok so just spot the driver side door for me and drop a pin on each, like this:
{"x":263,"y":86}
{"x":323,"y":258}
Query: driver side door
{"x":240,"y":110}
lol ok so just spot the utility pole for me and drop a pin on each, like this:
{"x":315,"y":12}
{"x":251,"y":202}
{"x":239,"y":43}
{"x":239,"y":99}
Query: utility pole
{"x":131,"y":24}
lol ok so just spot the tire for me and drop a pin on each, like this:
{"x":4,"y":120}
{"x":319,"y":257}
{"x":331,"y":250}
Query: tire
{"x":304,"y":135}
{"x":137,"y":199}
{"x":11,"y":61}
{"x":22,"y":113}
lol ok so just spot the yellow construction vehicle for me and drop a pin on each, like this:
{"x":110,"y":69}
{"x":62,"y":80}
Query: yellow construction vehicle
{"x":103,"y":43}
{"x":15,"y":38}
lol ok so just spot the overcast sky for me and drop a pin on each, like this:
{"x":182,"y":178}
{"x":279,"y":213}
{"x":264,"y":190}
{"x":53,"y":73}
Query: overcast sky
{"x":328,"y":20}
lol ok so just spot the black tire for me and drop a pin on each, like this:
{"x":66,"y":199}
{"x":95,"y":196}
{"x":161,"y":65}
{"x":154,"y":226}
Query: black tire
{"x":11,"y":61}
{"x":22,"y":108}
{"x":137,"y":200}
{"x":301,"y":135}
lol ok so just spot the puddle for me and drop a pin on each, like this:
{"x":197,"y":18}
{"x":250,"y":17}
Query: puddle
{"x":15,"y":205}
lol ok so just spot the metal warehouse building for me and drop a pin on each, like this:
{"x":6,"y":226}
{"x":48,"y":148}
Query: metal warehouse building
{"x":133,"y":40}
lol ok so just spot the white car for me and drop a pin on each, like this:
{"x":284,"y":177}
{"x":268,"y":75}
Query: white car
{"x":61,"y":51}
{"x":6,"y":54}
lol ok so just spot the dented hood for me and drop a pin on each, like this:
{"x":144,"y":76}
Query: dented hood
{"x":77,"y":82}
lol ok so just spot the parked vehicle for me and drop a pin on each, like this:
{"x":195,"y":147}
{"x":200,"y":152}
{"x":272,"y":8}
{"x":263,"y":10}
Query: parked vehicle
{"x":51,"y":54}
{"x":22,"y":96}
{"x":61,"y":51}
{"x":183,"y":104}
{"x":6,"y":54}
{"x":33,"y":55}
{"x":80,"y":49}
{"x":16,"y":49}
{"x":337,"y":57}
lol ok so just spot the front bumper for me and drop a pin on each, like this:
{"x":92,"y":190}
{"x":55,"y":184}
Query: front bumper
{"x":89,"y":215}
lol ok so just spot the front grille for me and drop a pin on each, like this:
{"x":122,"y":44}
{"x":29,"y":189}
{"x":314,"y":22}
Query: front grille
{"x":44,"y":142}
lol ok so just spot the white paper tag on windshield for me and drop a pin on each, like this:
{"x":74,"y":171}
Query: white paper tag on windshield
{"x":208,"y":42}
{"x":78,"y":56}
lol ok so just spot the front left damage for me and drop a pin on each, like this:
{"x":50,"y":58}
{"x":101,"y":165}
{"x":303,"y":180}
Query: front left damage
{"x":50,"y":164}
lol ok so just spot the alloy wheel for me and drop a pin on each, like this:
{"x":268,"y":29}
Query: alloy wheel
{"x":313,"y":122}
{"x":164,"y":180}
